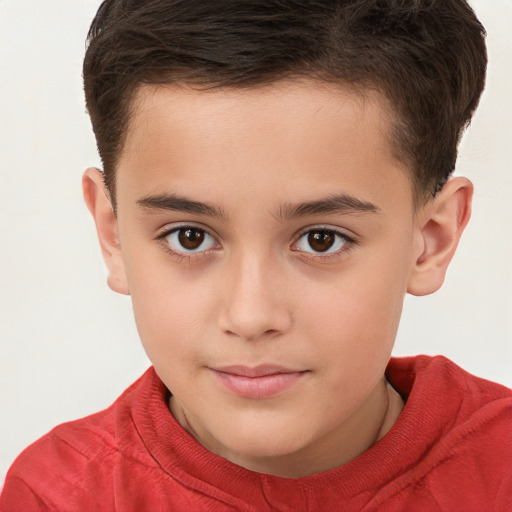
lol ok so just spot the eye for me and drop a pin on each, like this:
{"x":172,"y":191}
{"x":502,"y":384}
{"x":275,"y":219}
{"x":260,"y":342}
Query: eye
{"x":321,"y":241}
{"x":189,"y":239}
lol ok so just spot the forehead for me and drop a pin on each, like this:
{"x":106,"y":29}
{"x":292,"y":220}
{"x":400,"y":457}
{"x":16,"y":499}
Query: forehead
{"x":305,"y":102}
{"x":287,"y":132}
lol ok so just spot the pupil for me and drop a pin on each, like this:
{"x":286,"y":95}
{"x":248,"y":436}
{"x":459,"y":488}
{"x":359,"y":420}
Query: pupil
{"x":191,"y":238}
{"x":321,"y":241}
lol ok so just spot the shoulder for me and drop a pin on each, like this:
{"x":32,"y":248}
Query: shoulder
{"x":439,"y":383}
{"x":451,"y":402}
{"x":60,"y":467}
{"x":465,"y":426}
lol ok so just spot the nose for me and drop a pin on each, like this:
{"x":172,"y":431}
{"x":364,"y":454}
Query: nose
{"x":255,"y":303}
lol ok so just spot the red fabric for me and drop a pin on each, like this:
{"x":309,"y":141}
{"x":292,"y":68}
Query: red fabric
{"x":450,"y":450}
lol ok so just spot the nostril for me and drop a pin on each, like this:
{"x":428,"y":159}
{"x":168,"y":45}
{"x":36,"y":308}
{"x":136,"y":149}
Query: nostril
{"x":269,"y":333}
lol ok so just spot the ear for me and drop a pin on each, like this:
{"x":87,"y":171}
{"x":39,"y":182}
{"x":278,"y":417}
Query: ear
{"x":98,"y":201}
{"x":440,"y":225}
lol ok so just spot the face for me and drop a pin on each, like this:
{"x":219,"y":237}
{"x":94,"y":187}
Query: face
{"x":267,"y":237}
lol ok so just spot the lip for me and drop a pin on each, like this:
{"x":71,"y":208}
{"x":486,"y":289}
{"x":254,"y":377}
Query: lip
{"x":258,"y":382}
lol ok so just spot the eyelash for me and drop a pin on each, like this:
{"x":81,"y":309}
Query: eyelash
{"x":349,"y":243}
{"x":183,"y":255}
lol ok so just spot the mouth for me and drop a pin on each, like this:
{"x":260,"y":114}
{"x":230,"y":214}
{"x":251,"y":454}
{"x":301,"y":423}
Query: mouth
{"x":258,"y":382}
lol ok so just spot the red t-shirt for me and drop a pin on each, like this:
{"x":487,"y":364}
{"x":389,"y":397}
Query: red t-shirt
{"x":449,"y":450}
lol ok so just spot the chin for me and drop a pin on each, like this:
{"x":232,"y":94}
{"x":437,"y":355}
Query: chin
{"x":264,"y":443}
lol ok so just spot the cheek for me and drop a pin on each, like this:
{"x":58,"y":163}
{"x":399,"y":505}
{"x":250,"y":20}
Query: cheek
{"x":171,"y":313}
{"x":359,"y":310}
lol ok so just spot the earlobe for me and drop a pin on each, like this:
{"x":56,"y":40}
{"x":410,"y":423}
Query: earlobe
{"x":98,"y":201}
{"x":441,"y":224}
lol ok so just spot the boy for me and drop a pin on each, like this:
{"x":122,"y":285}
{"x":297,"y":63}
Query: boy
{"x":276,"y":178}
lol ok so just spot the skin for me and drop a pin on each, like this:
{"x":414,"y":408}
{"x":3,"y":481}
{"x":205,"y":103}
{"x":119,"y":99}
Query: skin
{"x":256,"y":291}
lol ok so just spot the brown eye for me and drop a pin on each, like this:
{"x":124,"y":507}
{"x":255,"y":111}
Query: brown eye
{"x":321,"y":241}
{"x":190,"y":239}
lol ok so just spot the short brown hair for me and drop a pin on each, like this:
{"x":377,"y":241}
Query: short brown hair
{"x":428,"y":57}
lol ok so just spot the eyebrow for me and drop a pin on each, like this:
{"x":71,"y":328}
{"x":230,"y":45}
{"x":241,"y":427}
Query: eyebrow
{"x":336,"y":204}
{"x":180,"y":204}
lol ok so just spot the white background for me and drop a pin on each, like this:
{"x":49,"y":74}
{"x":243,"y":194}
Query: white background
{"x":69,"y":345}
